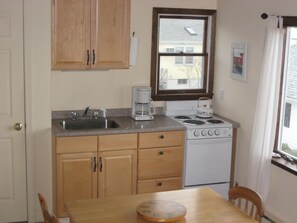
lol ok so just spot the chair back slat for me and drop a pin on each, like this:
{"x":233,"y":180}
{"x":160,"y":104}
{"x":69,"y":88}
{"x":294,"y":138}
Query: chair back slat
{"x":48,"y":218}
{"x":253,"y":205}
{"x":252,"y":212}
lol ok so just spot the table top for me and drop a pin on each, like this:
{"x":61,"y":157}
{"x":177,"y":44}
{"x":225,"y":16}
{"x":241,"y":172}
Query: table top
{"x":203,"y":205}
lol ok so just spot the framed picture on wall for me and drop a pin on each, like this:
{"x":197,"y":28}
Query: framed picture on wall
{"x":238,"y":61}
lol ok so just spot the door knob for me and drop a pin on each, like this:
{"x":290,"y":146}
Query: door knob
{"x":18,"y":126}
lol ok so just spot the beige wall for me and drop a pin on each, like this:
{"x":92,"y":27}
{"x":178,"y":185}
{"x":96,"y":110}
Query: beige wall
{"x":239,"y":21}
{"x":112,"y":89}
{"x":46,"y":90}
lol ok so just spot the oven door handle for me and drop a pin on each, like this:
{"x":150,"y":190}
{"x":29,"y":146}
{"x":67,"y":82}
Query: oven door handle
{"x":208,"y":141}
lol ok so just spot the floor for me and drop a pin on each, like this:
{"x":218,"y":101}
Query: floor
{"x":66,"y":220}
{"x":264,"y":220}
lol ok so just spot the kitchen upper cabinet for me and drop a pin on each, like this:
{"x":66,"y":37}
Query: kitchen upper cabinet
{"x":90,"y":34}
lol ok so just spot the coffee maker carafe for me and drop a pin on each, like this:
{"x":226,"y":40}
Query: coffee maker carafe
{"x":142,"y":107}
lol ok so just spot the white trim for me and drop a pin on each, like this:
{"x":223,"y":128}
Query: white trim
{"x":28,"y":115}
{"x":274,"y":217}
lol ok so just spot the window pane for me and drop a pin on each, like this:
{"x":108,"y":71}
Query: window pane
{"x":288,"y":132}
{"x":181,"y":34}
{"x":171,"y":73}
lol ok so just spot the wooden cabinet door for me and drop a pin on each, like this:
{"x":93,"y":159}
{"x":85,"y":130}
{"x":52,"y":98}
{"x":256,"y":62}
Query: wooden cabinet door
{"x":117,"y":172}
{"x":76,"y":179}
{"x":110,"y":41}
{"x":71,"y":34}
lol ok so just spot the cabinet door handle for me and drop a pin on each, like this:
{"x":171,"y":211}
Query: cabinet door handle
{"x":88,"y":57}
{"x":94,"y":164}
{"x":94,"y":56}
{"x":159,"y":184}
{"x":162,"y":136}
{"x":161,"y":153}
{"x":100,"y":164}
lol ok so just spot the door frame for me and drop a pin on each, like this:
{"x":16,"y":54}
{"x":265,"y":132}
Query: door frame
{"x":37,"y":78}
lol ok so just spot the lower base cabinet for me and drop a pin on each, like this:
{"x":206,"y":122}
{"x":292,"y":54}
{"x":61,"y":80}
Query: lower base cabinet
{"x":160,"y":161}
{"x":109,"y":165}
{"x":93,"y":166}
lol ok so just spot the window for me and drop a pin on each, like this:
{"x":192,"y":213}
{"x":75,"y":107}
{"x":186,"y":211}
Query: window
{"x":184,"y":60}
{"x":287,"y":129}
{"x":183,"y":46}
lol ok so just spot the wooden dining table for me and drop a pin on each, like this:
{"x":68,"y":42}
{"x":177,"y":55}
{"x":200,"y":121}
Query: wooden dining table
{"x":203,"y":205}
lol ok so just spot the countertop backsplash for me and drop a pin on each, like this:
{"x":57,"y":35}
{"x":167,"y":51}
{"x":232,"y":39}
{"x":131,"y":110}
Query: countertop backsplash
{"x":110,"y":112}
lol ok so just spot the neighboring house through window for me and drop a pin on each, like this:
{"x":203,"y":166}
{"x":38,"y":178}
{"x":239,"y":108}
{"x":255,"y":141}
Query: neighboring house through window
{"x":287,"y":128}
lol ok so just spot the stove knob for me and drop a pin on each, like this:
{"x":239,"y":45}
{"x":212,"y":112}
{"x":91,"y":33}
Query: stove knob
{"x":211,"y":132}
{"x":197,"y":133}
{"x":217,"y":132}
{"x":204,"y":133}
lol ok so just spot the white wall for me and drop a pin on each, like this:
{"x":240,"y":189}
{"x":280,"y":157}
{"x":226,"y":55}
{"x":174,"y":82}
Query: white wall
{"x":112,"y":89}
{"x":38,"y":103}
{"x":240,"y":21}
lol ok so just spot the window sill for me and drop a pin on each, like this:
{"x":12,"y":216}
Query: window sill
{"x":286,"y":165}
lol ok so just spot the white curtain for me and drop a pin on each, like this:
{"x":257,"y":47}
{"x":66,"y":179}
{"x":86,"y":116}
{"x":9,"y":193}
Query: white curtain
{"x":264,"y":128}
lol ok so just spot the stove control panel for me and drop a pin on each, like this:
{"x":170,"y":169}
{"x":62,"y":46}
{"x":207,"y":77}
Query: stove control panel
{"x":209,"y":133}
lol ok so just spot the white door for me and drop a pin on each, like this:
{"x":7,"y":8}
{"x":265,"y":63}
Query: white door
{"x":13,"y":202}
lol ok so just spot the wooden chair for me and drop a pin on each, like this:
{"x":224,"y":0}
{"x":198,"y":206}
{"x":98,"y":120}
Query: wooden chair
{"x":48,"y":218}
{"x":252,"y":206}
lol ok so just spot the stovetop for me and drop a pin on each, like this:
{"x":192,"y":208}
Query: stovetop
{"x":204,"y":128}
{"x":194,"y":122}
{"x":185,"y":113}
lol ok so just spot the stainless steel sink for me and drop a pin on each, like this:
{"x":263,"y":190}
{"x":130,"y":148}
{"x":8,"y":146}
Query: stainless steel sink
{"x":99,"y":123}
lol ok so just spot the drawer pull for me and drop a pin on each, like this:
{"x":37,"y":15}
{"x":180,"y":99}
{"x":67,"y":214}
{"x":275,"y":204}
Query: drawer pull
{"x":159,"y":184}
{"x":162,"y":136}
{"x":161,"y":153}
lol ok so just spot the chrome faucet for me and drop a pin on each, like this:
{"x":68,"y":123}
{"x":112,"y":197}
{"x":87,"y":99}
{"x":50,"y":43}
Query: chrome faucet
{"x":86,"y":111}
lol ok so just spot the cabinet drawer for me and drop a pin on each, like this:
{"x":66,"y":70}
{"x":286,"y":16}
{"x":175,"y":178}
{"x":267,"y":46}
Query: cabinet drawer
{"x":76,"y":144}
{"x":117,"y":142}
{"x":160,"y":163}
{"x":149,"y":186}
{"x":161,"y":139}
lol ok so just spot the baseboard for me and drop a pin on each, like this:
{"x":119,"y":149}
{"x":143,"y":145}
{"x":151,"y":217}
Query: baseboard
{"x":274,"y":218}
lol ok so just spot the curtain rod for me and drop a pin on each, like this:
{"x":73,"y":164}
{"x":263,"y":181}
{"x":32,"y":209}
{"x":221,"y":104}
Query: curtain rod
{"x":265,"y":15}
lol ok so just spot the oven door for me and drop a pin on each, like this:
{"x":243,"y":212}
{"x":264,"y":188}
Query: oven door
{"x":207,"y":161}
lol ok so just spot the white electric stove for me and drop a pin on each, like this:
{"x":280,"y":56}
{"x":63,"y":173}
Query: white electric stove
{"x":208,"y":148}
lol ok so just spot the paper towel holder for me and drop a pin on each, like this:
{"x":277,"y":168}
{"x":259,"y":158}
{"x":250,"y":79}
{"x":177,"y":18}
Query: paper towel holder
{"x":134,"y":44}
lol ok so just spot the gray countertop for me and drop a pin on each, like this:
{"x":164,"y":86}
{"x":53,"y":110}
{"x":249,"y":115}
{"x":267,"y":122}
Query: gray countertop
{"x":127,"y":125}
